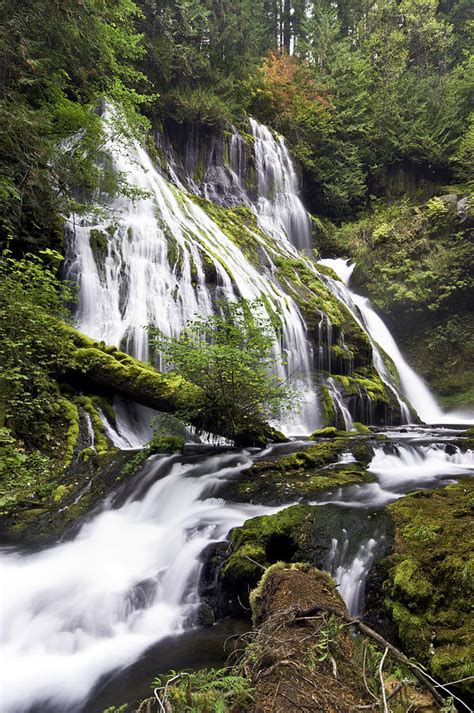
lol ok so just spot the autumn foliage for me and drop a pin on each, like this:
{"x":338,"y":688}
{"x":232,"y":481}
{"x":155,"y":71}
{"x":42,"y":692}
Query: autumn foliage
{"x":288,"y":94}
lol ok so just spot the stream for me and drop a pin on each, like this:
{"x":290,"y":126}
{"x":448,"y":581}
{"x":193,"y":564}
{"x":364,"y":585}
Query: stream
{"x":76,"y":615}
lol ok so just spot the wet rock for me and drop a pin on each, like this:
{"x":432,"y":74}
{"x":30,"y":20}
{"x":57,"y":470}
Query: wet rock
{"x":205,"y":615}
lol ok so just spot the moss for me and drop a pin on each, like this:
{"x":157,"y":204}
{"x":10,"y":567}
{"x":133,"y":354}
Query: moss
{"x":99,"y":244}
{"x":71,"y":415}
{"x":327,"y":407}
{"x":253,"y":541}
{"x":304,"y":474}
{"x":59,"y":493}
{"x":328,"y":432}
{"x":361,"y":427}
{"x":101,"y":442}
{"x":167,"y":444}
{"x":128,"y":376}
{"x":409,"y":583}
{"x":429,"y":588}
{"x":256,"y":599}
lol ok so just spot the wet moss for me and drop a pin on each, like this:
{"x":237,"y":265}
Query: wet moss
{"x":71,"y":415}
{"x":252,"y":544}
{"x":128,"y":376}
{"x":429,"y":589}
{"x":328,"y":432}
{"x":305,"y":474}
{"x":327,"y":407}
{"x":99,"y":244}
{"x":101,"y":442}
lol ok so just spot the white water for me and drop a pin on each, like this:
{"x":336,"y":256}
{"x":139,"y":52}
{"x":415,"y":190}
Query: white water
{"x":279,"y":208}
{"x":338,"y":402}
{"x":350,"y":571}
{"x":154,"y":274}
{"x":401,"y":469}
{"x":80,"y":609}
{"x":411,"y":384}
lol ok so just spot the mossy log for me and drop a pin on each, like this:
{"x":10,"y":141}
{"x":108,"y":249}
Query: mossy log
{"x":91,"y":361}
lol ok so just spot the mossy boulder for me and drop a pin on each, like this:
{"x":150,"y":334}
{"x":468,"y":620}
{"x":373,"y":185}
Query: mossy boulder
{"x":306,"y":473}
{"x":429,"y":589}
{"x":262,"y":541}
{"x":328,"y":432}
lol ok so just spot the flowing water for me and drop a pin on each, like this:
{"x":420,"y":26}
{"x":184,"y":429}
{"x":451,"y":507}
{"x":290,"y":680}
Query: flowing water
{"x":78,"y":610}
{"x":412,"y":386}
{"x":166,"y":261}
{"x":93,"y":605}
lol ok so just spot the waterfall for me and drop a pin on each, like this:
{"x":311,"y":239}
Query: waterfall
{"x":338,"y":401}
{"x":163,"y":262}
{"x":400,"y":469}
{"x":279,"y":208}
{"x":350,"y":569}
{"x":413,"y":387}
{"x":76,"y":611}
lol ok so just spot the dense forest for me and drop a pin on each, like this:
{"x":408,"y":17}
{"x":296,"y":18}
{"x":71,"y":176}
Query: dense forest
{"x":186,"y":189}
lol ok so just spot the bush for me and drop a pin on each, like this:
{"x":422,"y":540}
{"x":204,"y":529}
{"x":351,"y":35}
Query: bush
{"x":230,"y":356}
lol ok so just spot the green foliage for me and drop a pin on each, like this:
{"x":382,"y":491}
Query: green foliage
{"x":59,"y":61}
{"x":230,"y":357}
{"x":31,"y":305}
{"x":205,"y":691}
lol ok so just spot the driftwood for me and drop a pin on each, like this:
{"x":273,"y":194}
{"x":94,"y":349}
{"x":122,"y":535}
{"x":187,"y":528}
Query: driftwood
{"x":301,"y":614}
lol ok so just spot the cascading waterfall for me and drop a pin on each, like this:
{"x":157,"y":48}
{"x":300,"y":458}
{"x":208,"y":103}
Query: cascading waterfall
{"x":400,"y":469}
{"x":350,"y":570}
{"x":339,"y":404}
{"x":76,"y":611}
{"x":279,"y":208}
{"x":412,"y":386}
{"x":352,"y":302}
{"x":153,"y":271}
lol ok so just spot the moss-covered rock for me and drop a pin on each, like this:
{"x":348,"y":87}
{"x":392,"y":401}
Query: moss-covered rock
{"x":328,"y":432}
{"x":430,"y":579}
{"x":306,"y":473}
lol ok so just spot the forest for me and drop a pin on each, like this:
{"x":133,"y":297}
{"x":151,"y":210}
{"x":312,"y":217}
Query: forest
{"x":236,"y":356}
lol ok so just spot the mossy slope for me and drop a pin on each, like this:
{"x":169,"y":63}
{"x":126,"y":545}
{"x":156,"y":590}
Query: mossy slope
{"x":430,"y":579}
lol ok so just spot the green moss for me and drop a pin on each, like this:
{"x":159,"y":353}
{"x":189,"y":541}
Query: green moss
{"x":71,"y":415}
{"x":128,"y":376}
{"x":59,"y":493}
{"x":304,"y":474}
{"x":99,"y":243}
{"x":167,"y":444}
{"x":367,"y":380}
{"x":409,"y":583}
{"x":361,"y":427}
{"x":252,"y":542}
{"x":328,"y":432}
{"x":101,"y":442}
{"x":327,"y":407}
{"x":429,"y":588}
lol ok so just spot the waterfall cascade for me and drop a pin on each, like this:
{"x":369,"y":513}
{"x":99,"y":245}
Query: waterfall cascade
{"x":165,"y":261}
{"x":413,"y":388}
{"x":74,"y":612}
{"x":162,"y":259}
